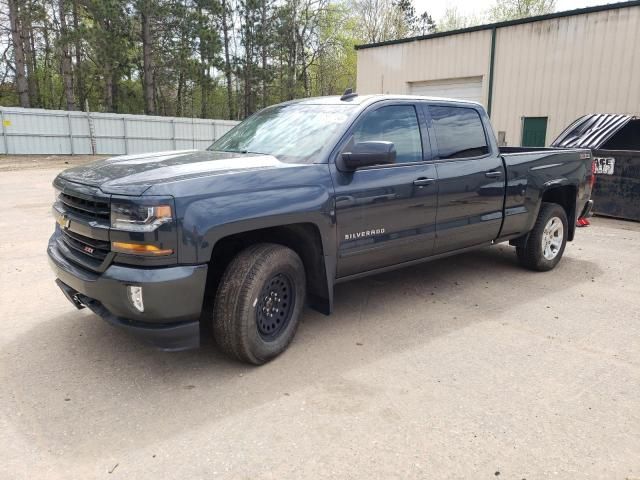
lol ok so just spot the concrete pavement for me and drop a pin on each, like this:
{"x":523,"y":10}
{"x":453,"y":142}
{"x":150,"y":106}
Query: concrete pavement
{"x":468,"y":367}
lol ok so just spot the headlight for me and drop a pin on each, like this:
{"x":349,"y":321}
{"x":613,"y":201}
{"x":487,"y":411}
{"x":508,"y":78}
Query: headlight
{"x":139,"y":218}
{"x":56,"y":194}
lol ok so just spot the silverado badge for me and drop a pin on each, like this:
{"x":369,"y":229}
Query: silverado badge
{"x":365,"y":234}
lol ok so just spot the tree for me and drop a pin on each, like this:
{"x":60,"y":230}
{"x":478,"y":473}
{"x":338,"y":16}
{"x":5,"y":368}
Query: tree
{"x":17,"y":38}
{"x":264,"y":39}
{"x":206,"y":58}
{"x":335,"y":68}
{"x":225,"y":13}
{"x":147,"y":10}
{"x":109,"y":39}
{"x":65,"y":56}
{"x":28,"y":14}
{"x":410,"y":23}
{"x":454,"y":20}
{"x":209,"y":48}
{"x":248,"y":10}
{"x":298,"y":43}
{"x":513,"y":9}
{"x":426,"y":24}
{"x":382,"y":20}
{"x":76,"y":36}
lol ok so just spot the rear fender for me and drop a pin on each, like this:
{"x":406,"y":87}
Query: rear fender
{"x":560,"y":191}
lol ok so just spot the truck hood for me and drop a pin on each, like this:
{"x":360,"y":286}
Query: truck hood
{"x":133,"y":174}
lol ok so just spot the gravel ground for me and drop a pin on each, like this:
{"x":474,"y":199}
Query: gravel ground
{"x":468,"y":367}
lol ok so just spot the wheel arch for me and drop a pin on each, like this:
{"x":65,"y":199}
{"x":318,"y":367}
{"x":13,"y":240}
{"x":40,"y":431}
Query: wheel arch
{"x":303,"y":238}
{"x":566,"y":196}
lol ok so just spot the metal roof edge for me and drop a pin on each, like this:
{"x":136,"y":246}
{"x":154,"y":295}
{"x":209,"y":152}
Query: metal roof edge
{"x":508,"y":23}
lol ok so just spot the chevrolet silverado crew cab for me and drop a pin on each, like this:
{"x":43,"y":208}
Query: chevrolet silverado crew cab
{"x":233,"y":241}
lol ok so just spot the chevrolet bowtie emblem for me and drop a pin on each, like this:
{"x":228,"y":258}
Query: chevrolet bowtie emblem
{"x":63,"y":221}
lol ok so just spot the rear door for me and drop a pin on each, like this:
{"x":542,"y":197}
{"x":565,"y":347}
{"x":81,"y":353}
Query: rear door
{"x":471,"y":178}
{"x":386,"y":214}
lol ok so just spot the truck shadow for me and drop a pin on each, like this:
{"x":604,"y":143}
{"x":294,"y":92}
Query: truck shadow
{"x":75,"y":378}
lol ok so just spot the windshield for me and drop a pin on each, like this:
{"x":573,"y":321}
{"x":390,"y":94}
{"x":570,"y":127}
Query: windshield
{"x":293,"y":133}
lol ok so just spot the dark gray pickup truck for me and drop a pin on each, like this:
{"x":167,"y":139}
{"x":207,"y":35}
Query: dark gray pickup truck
{"x":233,"y":241}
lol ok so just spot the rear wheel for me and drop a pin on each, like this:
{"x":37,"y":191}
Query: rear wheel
{"x":259,"y":303}
{"x":547,"y":240}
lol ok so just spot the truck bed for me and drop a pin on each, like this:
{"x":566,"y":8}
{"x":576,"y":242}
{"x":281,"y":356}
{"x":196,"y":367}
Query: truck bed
{"x":508,"y":150}
{"x":532,"y":171}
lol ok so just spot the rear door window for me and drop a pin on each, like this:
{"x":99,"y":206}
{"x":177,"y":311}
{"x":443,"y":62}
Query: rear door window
{"x":459,"y":132}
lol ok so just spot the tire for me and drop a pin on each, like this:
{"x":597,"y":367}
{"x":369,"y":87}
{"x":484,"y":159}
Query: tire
{"x":543,"y":250}
{"x":259,"y":302}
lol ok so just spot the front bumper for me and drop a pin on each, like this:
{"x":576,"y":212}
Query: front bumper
{"x":173,"y":298}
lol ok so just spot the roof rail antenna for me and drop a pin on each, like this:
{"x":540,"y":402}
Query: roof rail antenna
{"x":348,"y":93}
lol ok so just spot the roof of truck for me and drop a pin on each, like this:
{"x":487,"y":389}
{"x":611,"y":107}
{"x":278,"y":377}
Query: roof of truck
{"x":368,"y":99}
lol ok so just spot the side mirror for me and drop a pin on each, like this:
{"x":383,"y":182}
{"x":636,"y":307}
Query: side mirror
{"x":367,"y":154}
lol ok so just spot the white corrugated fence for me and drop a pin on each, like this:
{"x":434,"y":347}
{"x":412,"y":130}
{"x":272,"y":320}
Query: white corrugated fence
{"x":38,"y":131}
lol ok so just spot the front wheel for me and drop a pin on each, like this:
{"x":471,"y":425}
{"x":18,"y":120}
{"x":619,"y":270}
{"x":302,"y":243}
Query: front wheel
{"x":545,"y":245}
{"x":259,"y":303}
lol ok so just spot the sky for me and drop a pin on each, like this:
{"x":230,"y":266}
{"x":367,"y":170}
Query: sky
{"x":470,"y":7}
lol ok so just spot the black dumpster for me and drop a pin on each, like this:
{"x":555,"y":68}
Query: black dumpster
{"x":615,"y":142}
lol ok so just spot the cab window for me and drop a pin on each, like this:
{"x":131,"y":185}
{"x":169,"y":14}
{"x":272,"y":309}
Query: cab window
{"x":459,"y":132}
{"x":393,"y":123}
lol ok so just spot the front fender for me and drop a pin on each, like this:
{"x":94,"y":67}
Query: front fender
{"x":207,"y":220}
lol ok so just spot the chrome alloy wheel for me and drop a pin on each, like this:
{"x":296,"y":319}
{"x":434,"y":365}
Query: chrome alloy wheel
{"x":552,"y":237}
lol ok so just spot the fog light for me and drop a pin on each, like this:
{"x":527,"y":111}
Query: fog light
{"x":135,"y":297}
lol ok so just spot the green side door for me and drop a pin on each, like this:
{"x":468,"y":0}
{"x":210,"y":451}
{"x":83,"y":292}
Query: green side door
{"x":534,"y":131}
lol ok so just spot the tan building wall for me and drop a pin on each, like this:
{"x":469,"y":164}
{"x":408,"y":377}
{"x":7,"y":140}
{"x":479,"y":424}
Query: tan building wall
{"x":390,"y":69}
{"x":559,"y":68}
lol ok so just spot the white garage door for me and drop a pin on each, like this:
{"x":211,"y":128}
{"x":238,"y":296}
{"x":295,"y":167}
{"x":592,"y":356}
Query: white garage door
{"x":468,"y":88}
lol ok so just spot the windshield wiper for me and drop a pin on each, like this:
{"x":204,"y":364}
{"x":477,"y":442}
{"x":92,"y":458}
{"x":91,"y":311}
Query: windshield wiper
{"x":243,"y":151}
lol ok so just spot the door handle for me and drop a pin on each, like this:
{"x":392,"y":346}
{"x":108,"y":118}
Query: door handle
{"x":345,"y":201}
{"x":423,"y":181}
{"x":493,"y":174}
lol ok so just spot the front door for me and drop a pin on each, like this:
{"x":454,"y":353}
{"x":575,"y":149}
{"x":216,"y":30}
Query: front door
{"x":471,"y":179}
{"x":386,"y":214}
